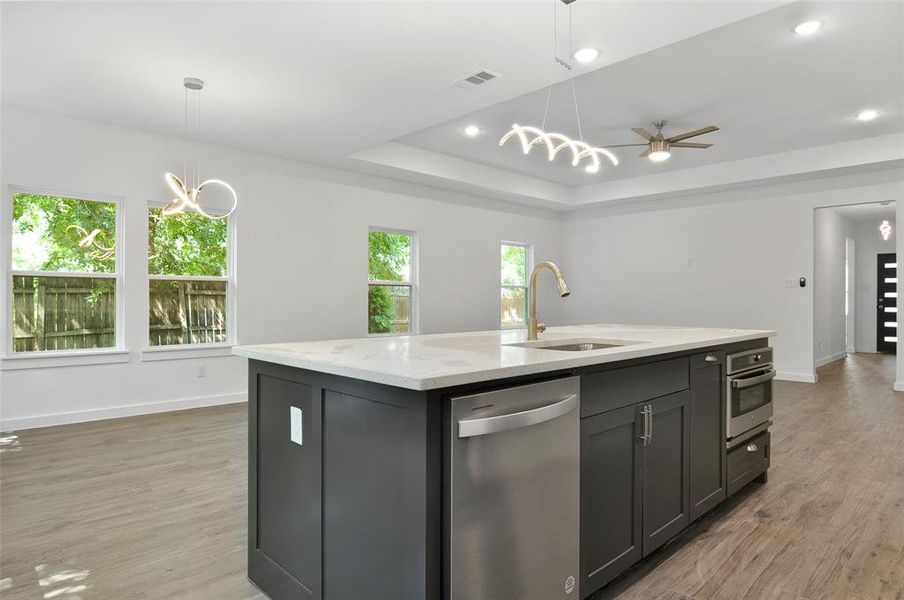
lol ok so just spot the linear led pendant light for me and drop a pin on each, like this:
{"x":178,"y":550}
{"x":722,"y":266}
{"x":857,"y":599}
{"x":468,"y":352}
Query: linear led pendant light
{"x":188,"y":189}
{"x":531,"y":137}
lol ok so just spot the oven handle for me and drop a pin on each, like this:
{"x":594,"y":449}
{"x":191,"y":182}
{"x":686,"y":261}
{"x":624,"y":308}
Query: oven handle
{"x":751,"y":381}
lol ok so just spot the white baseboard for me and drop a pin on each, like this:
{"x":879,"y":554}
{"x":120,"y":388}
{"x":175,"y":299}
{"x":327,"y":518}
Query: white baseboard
{"x":899,"y":386}
{"x":115,"y":412}
{"x":802,"y":377}
{"x":830,"y":359}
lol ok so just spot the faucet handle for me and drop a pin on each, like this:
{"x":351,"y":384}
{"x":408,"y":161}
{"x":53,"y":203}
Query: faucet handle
{"x":541,"y":327}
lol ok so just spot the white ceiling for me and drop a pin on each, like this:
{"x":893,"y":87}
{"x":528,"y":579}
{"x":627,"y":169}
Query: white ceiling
{"x":864,"y":213}
{"x":311,"y":80}
{"x":329,"y":82}
{"x":767,"y":89}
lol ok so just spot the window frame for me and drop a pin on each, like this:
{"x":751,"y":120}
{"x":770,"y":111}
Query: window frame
{"x":72,"y":356}
{"x":177,"y":351}
{"x":528,"y":268}
{"x":411,"y":284}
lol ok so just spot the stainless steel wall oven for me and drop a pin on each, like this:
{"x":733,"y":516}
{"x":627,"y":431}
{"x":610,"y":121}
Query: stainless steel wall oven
{"x":749,"y":390}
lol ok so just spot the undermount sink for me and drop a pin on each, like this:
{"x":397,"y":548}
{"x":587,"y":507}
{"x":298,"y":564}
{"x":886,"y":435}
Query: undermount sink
{"x":582,"y":345}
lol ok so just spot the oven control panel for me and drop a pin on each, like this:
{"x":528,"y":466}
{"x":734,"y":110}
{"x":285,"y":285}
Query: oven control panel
{"x":749,"y":359}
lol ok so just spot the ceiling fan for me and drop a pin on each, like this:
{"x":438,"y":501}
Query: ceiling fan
{"x":659,"y":147}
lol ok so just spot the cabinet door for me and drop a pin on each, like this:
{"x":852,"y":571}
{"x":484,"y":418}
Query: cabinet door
{"x":666,"y":478}
{"x":611,"y":451}
{"x":707,"y":432}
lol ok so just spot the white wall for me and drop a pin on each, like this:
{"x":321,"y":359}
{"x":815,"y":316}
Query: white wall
{"x":302,"y":259}
{"x":719,"y":260}
{"x":868,"y":243}
{"x":830,"y":231}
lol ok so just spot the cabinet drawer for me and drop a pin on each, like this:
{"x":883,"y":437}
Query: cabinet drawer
{"x":747,"y":461}
{"x":609,"y":390}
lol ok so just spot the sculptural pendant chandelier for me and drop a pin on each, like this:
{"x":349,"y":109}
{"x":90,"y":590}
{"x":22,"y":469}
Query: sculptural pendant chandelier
{"x":188,"y":189}
{"x":531,"y":137}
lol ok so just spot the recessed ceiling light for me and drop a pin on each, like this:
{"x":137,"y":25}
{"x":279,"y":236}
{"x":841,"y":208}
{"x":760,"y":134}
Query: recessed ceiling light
{"x":472,"y":131}
{"x":807,"y":28}
{"x":867,"y":115}
{"x":586,"y":55}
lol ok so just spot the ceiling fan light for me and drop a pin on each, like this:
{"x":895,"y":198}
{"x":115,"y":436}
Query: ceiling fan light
{"x":659,"y":155}
{"x":807,"y":28}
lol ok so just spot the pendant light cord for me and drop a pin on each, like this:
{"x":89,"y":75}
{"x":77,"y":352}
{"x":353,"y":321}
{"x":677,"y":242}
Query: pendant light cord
{"x":191,"y":163}
{"x":198,"y":140}
{"x":186,"y":149}
{"x":574,"y":93}
{"x":555,"y":55}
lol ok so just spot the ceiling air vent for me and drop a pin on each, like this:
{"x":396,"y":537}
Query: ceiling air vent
{"x":475,"y":79}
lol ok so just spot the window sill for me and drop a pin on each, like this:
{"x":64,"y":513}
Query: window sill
{"x":64,"y":358}
{"x":186,"y":351}
{"x":391,"y":334}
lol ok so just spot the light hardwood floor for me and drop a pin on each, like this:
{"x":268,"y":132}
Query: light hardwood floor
{"x":154,"y":507}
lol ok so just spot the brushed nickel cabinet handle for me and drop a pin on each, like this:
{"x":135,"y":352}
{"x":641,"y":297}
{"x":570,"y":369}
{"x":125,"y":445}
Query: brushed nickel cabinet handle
{"x":711,"y":358}
{"x":752,"y":448}
{"x":645,"y":436}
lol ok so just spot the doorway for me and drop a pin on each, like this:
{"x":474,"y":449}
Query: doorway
{"x":854,"y":281}
{"x":850,"y":302}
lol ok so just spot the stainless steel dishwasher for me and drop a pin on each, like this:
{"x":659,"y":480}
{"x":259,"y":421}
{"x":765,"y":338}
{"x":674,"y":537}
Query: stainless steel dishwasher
{"x":514,"y":513}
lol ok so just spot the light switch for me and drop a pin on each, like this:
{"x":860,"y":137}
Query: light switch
{"x":295,"y":418}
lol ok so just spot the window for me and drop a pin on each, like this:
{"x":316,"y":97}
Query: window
{"x":65,"y":273}
{"x":514,"y":266}
{"x":391,"y":273}
{"x":189,"y":272}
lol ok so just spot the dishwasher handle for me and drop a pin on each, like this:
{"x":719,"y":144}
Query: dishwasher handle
{"x":517,"y":420}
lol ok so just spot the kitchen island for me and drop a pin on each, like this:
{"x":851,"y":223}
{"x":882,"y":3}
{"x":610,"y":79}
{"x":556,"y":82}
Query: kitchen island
{"x":481,"y":465}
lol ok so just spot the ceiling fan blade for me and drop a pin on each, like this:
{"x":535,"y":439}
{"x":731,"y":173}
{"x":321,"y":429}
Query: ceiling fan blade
{"x":690,"y":134}
{"x":689,"y":145}
{"x":647,"y":153}
{"x":620,"y":145}
{"x":643,"y":133}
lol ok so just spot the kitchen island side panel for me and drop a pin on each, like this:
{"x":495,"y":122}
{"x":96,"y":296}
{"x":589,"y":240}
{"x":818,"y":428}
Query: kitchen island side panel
{"x":284,"y":483}
{"x":379,"y":501}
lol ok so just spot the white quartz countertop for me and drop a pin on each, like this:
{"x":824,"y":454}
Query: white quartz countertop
{"x":426,"y":362}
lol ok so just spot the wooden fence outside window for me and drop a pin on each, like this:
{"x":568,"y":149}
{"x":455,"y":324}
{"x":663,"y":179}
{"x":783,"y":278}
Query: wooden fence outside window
{"x":68,"y":313}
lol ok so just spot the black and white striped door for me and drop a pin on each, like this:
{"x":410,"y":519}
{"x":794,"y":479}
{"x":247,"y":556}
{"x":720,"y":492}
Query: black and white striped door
{"x":887,"y":304}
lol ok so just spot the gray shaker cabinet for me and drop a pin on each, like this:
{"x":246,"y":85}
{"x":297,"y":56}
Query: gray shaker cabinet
{"x":611,"y":462}
{"x":666,"y":471}
{"x":634,"y":490}
{"x":707,"y":439}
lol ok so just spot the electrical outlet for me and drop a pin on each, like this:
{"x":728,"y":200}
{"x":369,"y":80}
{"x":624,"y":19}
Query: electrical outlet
{"x":296,"y":427}
{"x":202,"y":371}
